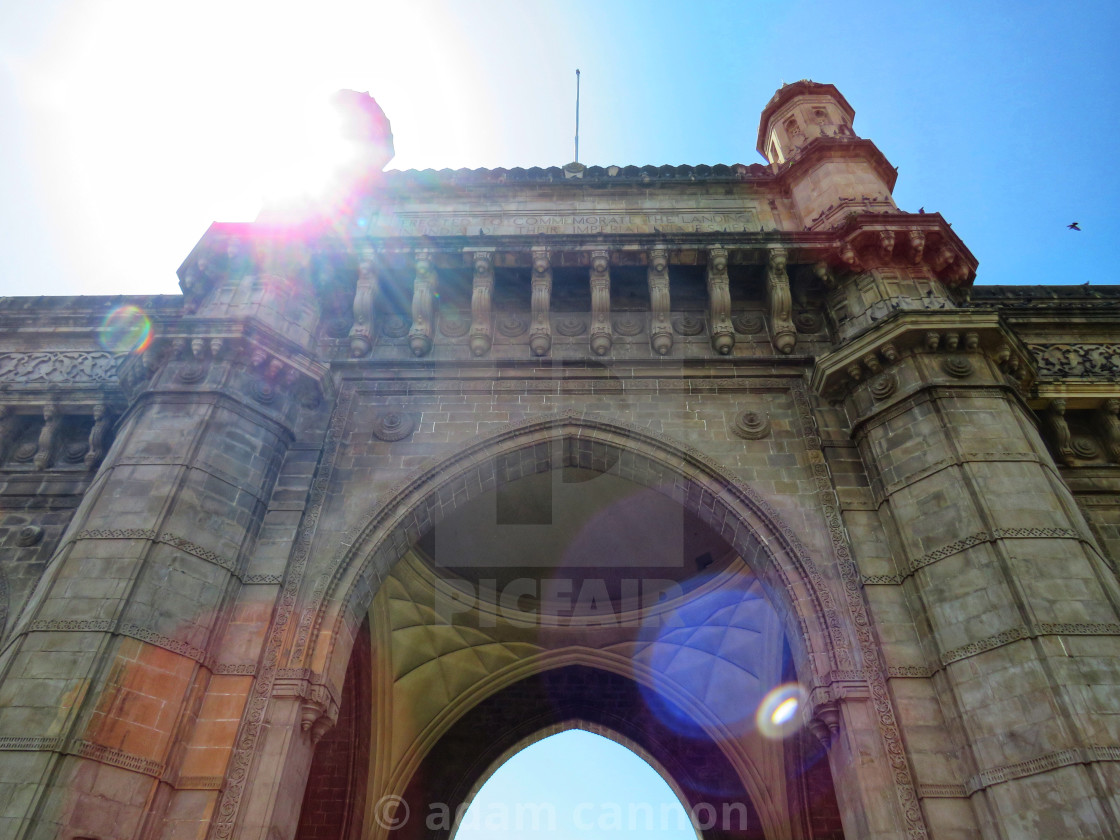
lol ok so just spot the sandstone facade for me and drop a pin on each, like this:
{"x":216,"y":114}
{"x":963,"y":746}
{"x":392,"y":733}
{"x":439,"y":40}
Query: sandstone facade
{"x":468,"y":458}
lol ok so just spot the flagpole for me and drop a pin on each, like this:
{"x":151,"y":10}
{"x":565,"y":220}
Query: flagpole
{"x":577,"y":115}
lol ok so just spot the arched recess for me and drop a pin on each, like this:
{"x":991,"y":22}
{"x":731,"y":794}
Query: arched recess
{"x":821,"y":637}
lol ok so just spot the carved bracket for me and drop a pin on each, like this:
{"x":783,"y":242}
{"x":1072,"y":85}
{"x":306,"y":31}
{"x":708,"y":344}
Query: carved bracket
{"x":318,"y":709}
{"x":482,"y":293}
{"x":660,"y":328}
{"x":269,"y":371}
{"x":540,"y":330}
{"x":65,"y":439}
{"x":424,"y":290}
{"x":719,"y":301}
{"x":908,"y":239}
{"x":600,"y":338}
{"x":782,"y":331}
{"x":361,"y":334}
{"x":867,"y":360}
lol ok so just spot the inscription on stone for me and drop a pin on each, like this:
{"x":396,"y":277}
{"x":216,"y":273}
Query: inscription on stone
{"x":565,"y":223}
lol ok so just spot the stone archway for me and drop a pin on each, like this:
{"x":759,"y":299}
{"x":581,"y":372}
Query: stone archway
{"x":824,"y":644}
{"x":822,"y":637}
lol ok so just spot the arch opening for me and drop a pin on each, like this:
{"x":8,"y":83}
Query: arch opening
{"x":577,"y":781}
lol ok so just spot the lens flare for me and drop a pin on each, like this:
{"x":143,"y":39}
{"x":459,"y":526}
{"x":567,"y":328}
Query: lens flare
{"x":125,"y":330}
{"x":778,"y":713}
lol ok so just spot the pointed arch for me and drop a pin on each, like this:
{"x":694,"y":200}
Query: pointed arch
{"x":570,"y":725}
{"x":821,"y":638}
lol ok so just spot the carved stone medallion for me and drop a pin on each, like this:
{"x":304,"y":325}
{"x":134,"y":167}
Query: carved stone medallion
{"x":751,"y":424}
{"x":393,"y":426}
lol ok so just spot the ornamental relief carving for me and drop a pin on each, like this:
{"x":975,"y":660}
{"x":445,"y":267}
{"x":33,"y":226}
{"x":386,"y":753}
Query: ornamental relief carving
{"x":60,"y":367}
{"x":1056,"y":361}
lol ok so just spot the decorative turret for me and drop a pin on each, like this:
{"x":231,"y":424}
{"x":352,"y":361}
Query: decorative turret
{"x":806,"y":134}
{"x":800,"y":113}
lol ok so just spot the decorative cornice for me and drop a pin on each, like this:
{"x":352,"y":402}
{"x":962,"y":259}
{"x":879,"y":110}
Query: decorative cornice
{"x":958,"y":332}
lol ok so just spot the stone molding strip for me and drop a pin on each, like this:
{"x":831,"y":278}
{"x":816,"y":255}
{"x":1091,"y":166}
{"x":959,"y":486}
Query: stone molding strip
{"x":909,"y":672}
{"x":948,"y":791}
{"x":197,"y":783}
{"x":181,"y":543}
{"x":1041,"y":764}
{"x":143,"y":634}
{"x":107,"y":755}
{"x":19,"y":744}
{"x":885,"y":491}
{"x":85,"y":749}
{"x":1014,"y":634}
{"x":226,"y":669}
{"x":978,"y":538}
{"x":551,"y":383}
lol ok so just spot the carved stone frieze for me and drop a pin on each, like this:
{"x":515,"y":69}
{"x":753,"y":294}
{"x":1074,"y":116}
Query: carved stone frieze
{"x":60,"y":367}
{"x":1059,"y":361}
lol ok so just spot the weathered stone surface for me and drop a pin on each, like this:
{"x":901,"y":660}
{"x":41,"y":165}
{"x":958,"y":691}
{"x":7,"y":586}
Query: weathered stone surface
{"x":625,"y":448}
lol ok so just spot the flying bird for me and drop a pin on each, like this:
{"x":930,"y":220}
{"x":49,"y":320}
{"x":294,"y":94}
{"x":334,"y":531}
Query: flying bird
{"x":1074,"y":226}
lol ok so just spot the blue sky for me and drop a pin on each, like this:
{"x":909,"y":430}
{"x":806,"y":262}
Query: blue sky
{"x":576,"y":785}
{"x":128,"y":126}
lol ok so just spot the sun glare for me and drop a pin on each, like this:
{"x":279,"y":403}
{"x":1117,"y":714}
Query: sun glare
{"x":310,"y":153}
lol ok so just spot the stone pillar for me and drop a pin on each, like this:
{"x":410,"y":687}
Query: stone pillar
{"x":1015,"y":641}
{"x":117,"y":697}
